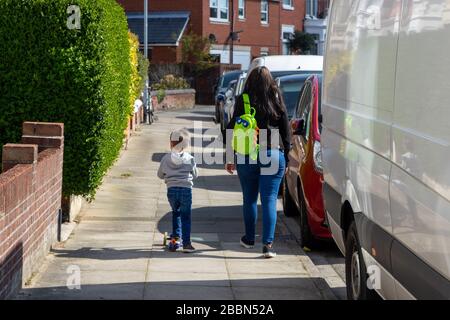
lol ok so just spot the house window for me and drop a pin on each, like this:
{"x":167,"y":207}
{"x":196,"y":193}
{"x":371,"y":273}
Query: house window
{"x":264,"y":11}
{"x":288,"y":4}
{"x":218,"y":10}
{"x":286,"y":35}
{"x":312,"y":6}
{"x":241,"y":9}
{"x":315,"y":49}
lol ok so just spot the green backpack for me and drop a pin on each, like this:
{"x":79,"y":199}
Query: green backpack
{"x":245,"y":130}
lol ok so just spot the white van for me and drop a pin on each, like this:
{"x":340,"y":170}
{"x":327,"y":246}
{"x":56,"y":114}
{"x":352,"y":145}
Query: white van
{"x":386,"y":145}
{"x":287,"y":65}
{"x":280,"y":66}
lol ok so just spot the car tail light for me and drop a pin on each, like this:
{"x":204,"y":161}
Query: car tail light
{"x":317,"y":155}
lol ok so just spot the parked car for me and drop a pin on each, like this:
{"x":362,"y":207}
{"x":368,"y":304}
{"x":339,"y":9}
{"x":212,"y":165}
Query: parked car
{"x":228,"y":109}
{"x":386,"y":148}
{"x":221,"y":87}
{"x":302,"y":185}
{"x":290,"y":87}
{"x":226,"y":104}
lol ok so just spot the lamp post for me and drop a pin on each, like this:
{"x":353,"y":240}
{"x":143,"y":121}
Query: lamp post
{"x":146,"y":98}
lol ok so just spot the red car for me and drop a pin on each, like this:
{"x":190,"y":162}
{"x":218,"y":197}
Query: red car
{"x":302,"y":187}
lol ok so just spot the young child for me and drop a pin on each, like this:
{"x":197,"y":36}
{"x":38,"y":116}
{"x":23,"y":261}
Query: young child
{"x":179,"y":169}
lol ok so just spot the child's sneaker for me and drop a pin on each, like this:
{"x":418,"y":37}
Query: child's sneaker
{"x":174,"y":244}
{"x":247,"y":244}
{"x":188,"y":248}
{"x":268,"y":251}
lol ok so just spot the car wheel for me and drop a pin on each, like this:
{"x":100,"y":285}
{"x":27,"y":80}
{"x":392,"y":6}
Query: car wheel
{"x":306,"y":237}
{"x":355,"y":269}
{"x":289,"y":207}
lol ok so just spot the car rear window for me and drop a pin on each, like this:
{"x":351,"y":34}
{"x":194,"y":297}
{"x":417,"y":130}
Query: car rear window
{"x":291,"y":92}
{"x":227,"y":78}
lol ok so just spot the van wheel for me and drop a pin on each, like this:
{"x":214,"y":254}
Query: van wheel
{"x":290,"y":209}
{"x":306,"y":237}
{"x":355,"y":269}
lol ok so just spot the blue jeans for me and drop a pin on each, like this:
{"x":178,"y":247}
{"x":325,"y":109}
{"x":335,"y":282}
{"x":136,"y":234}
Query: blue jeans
{"x":180,"y":200}
{"x":254,"y":181}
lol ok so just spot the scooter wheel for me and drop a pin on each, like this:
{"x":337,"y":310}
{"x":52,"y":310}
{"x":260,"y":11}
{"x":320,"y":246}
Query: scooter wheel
{"x":165,"y":239}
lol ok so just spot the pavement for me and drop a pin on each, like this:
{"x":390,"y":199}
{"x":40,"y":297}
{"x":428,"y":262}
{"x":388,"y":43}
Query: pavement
{"x":116,"y":251}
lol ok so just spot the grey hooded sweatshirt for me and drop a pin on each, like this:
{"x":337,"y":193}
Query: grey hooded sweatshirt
{"x":178,"y":170}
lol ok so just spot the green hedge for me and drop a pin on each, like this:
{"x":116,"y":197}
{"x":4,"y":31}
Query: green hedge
{"x":80,"y":77}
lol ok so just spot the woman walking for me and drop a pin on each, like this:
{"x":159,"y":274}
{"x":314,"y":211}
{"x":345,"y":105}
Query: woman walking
{"x":264,"y":175}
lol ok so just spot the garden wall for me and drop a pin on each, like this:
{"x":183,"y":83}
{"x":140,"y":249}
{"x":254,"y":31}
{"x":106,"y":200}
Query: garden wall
{"x":174,"y":99}
{"x":30,"y":200}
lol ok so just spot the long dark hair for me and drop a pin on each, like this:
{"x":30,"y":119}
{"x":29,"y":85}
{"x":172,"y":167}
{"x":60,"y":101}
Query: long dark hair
{"x":264,"y":93}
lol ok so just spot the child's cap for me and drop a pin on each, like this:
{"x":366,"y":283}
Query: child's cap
{"x":181,"y":138}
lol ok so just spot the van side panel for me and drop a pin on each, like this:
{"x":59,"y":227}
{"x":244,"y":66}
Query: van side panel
{"x":420,"y":182}
{"x":358,"y":101}
{"x":358,"y":104}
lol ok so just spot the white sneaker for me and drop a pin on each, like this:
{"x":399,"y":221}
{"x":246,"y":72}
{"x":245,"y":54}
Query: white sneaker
{"x":268,"y":252}
{"x":247,"y":244}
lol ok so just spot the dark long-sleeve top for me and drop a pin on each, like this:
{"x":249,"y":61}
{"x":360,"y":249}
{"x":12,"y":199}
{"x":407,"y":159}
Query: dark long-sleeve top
{"x":282,"y":124}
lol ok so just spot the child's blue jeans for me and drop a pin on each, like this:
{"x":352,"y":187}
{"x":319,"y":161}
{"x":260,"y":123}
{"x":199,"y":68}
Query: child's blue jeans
{"x":180,"y":200}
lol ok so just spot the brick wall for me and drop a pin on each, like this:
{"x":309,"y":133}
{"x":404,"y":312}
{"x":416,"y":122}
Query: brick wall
{"x":166,"y":54}
{"x":175,"y":99}
{"x":30,"y":199}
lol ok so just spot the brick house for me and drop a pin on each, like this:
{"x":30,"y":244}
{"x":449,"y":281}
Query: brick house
{"x":260,"y":27}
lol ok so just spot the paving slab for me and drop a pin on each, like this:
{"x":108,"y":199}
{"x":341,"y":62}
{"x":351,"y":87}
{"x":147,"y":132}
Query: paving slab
{"x":181,"y":292}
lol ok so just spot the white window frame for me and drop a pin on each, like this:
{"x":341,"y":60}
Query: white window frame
{"x":241,"y":6}
{"x":219,"y":8}
{"x":289,"y":5}
{"x":312,"y":8}
{"x":265,"y":22}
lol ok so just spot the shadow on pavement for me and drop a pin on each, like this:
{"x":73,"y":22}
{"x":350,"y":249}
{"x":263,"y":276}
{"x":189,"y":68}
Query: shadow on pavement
{"x":206,"y":113}
{"x":178,"y":286}
{"x":228,"y":183}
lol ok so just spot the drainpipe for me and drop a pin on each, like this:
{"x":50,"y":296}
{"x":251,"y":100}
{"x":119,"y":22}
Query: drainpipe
{"x":59,"y":225}
{"x":232,"y":33}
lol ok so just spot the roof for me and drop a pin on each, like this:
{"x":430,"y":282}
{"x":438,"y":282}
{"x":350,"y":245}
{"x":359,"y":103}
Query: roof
{"x":165,"y":28}
{"x":299,"y":76}
{"x":289,"y":63}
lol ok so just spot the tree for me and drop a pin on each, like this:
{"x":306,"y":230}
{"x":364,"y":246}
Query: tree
{"x":302,"y":42}
{"x":195,"y":51}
